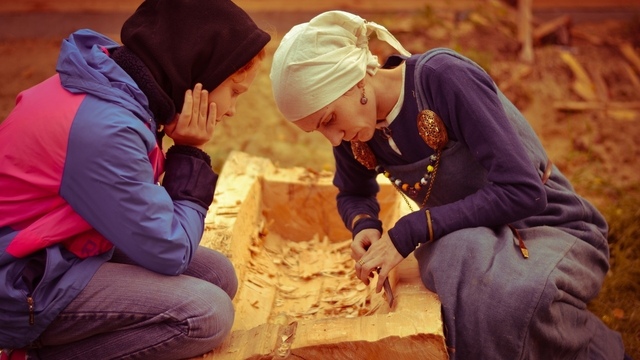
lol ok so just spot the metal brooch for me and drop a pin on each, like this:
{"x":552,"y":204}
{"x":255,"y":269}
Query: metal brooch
{"x":432,"y":129}
{"x":362,"y":152}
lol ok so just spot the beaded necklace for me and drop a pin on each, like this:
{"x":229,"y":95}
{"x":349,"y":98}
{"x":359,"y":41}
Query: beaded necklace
{"x":433,"y":132}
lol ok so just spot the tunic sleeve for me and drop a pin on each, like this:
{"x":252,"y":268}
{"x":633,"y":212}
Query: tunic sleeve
{"x":357,"y":190}
{"x":466,"y":99}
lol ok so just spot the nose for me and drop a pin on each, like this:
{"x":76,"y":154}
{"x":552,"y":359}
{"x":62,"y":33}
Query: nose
{"x":231,"y":111}
{"x":232,"y":107}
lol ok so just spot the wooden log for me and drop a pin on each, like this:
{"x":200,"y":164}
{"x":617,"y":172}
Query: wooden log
{"x":633,"y":77}
{"x":582,"y":84}
{"x":401,"y":335}
{"x":233,"y":217}
{"x":560,"y":27}
{"x":297,"y":290}
{"x":630,"y":54}
{"x":620,"y":111}
{"x":600,"y":85}
{"x":593,"y":39}
{"x":595,"y":105}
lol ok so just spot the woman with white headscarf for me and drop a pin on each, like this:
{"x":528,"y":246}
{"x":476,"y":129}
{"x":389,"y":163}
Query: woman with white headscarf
{"x":512,"y":251}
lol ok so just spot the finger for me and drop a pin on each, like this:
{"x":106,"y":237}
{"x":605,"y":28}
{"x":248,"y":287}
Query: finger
{"x":212,"y":118}
{"x":170,"y":128}
{"x":187,"y":108}
{"x":365,"y":281}
{"x":379,"y":285}
{"x":381,"y":278}
{"x":203,"y":110}
{"x":361,"y":271}
{"x":357,"y":250}
{"x":195,"y":108}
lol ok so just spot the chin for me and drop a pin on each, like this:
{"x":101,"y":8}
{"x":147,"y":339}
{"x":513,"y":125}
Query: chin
{"x":367,"y":136}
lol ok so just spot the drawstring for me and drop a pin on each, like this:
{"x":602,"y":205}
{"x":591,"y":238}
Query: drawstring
{"x":523,"y":249}
{"x":547,"y":172}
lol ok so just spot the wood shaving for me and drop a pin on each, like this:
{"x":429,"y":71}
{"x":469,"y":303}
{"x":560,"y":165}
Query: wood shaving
{"x":312,"y":279}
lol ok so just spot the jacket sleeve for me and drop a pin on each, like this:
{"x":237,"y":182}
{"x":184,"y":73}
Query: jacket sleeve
{"x":188,"y":175}
{"x":109,"y":181}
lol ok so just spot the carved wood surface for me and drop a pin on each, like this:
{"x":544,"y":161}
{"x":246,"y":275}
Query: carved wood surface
{"x":298,"y":296}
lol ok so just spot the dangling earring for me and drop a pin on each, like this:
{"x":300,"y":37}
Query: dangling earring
{"x":363,"y":99}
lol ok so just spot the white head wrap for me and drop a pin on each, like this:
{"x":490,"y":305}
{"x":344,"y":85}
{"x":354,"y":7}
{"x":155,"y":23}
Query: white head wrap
{"x":317,"y":62}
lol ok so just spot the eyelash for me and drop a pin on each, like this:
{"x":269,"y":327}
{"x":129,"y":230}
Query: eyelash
{"x":328,"y":122}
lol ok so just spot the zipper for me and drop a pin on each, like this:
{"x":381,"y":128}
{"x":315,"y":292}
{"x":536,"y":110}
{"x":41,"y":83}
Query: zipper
{"x":32,"y":316}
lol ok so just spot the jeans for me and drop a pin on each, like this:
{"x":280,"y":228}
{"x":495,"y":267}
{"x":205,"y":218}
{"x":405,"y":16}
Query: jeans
{"x":128,"y":312}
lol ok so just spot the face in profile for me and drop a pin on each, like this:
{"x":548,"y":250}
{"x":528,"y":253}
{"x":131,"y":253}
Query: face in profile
{"x":226,"y":94}
{"x":345,"y":119}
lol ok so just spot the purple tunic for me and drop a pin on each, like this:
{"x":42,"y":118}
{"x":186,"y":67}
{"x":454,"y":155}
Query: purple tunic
{"x":496,"y":304}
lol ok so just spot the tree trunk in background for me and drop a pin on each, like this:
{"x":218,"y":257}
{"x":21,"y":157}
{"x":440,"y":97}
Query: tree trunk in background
{"x":524,"y":30}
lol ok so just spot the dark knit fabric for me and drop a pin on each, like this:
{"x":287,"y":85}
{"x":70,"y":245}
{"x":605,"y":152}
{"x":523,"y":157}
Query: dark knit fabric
{"x":188,"y":175}
{"x":184,"y":42}
{"x":160,"y":103}
{"x":191,"y":151}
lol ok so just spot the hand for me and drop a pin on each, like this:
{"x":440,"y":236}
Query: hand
{"x":194,"y":126}
{"x":362,"y":241}
{"x":382,"y":255}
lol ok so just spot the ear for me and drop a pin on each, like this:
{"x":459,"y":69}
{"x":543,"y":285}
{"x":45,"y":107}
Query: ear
{"x":239,"y":76}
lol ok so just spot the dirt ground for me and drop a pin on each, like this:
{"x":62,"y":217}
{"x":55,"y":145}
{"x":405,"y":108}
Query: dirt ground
{"x":581,"y":94}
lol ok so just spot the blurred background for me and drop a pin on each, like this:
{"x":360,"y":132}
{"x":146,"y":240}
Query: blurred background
{"x":572,"y":67}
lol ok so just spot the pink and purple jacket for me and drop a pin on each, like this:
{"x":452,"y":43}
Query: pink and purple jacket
{"x":79,"y":170}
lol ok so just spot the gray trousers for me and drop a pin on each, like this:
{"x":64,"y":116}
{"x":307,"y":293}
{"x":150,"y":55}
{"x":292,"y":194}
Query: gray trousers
{"x":128,"y":312}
